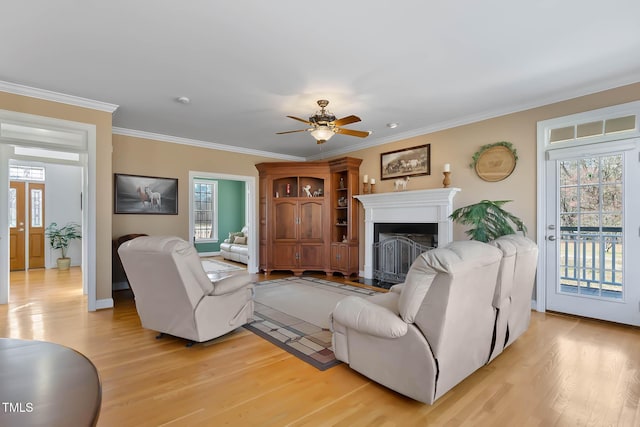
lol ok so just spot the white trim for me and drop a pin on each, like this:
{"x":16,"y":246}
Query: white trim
{"x":541,"y":205}
{"x":590,"y":149}
{"x":630,"y":108}
{"x":202,"y":144}
{"x":420,"y":206}
{"x":546,"y":150}
{"x":89,"y":222}
{"x":38,"y":153}
{"x":251,"y":210}
{"x":447,"y":124}
{"x":103,"y":303}
{"x":208,"y":254}
{"x":86,"y":145}
{"x":5,"y":153}
{"x":48,"y":95}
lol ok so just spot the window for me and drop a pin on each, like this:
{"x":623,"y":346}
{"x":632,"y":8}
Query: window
{"x":36,"y":208}
{"x":26,"y":173}
{"x":13,"y":208}
{"x":205,"y":217}
{"x":593,"y":129}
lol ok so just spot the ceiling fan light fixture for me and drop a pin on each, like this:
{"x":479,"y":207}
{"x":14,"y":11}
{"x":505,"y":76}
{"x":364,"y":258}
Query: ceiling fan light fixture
{"x":322,"y":133}
{"x":323,"y":125}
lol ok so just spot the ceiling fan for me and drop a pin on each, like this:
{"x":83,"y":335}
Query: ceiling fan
{"x":324,"y":124}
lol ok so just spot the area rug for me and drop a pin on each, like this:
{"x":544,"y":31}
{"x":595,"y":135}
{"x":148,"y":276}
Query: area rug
{"x":293,"y":313}
{"x":217,"y":269}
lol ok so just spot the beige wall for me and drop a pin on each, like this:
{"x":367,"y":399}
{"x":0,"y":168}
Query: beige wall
{"x":138,"y":156}
{"x":102,"y":121}
{"x":455,"y":146}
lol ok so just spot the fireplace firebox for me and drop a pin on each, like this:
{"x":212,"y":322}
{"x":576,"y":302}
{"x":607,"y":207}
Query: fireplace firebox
{"x":396,"y":246}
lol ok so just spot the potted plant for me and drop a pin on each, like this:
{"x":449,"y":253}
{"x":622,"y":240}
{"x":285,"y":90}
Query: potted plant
{"x":60,"y":238}
{"x":488,"y":220}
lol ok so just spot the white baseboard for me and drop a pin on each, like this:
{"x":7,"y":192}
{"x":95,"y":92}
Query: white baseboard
{"x":205,"y":254}
{"x":104,"y":303}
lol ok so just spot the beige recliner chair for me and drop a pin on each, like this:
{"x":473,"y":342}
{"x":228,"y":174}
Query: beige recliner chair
{"x":428,"y":334}
{"x":513,"y":294}
{"x":174,"y":295}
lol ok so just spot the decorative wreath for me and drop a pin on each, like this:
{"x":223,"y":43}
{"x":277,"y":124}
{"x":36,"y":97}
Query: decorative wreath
{"x":484,"y":148}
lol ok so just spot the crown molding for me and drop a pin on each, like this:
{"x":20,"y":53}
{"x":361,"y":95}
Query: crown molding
{"x":48,"y":95}
{"x":560,"y":96}
{"x":202,"y":144}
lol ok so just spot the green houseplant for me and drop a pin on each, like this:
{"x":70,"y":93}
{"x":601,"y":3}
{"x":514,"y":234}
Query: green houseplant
{"x":488,"y":220}
{"x":60,"y":238}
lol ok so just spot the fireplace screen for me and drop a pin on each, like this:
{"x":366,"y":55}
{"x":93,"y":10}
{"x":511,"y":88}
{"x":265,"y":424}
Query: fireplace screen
{"x":393,"y":256}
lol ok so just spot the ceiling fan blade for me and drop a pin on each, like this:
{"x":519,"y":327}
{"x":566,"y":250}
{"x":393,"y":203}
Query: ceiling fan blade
{"x":347,"y":120}
{"x":300,"y":120}
{"x":291,"y":131}
{"x":351,"y":132}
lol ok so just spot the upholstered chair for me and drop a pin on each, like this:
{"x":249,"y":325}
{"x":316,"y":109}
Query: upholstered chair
{"x":428,"y":334}
{"x":514,"y":289}
{"x":173,"y":294}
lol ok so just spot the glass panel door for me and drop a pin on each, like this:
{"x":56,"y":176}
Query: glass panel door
{"x":591,"y":240}
{"x":592,"y":236}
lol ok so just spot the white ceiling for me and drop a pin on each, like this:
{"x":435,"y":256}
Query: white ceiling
{"x":245,"y":65}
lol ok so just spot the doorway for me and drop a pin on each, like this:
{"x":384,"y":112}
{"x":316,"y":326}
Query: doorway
{"x":22,"y":133}
{"x":250,"y":212}
{"x":589,"y":228}
{"x":26,"y":225}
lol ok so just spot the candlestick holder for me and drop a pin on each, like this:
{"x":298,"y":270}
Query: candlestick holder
{"x":373,"y":188}
{"x":447,"y":179}
{"x":365,"y":188}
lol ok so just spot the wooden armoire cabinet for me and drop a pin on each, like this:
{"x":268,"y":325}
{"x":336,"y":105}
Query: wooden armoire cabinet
{"x":299,"y":216}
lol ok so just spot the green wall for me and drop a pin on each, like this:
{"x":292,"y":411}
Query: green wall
{"x":231,"y":212}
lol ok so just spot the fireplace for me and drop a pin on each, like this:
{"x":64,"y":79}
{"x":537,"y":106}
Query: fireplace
{"x":396,"y":246}
{"x":418,"y":213}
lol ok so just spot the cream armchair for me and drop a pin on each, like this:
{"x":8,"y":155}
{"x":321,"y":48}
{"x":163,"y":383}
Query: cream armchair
{"x":174,"y":295}
{"x":512,"y":298}
{"x":428,"y":334}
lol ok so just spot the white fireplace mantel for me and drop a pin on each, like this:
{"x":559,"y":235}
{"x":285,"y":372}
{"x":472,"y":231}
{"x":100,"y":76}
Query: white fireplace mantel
{"x":416,"y":206}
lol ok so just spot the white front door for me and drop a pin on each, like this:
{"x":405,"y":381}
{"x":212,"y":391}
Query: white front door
{"x":592,"y":238}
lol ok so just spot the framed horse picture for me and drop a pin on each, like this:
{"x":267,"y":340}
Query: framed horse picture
{"x":414,"y":161}
{"x":150,"y":195}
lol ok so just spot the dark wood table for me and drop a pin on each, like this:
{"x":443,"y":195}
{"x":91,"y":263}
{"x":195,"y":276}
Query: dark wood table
{"x":46,"y":384}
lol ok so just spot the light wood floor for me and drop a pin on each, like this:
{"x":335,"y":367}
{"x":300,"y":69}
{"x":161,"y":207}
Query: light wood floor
{"x":564,"y":371}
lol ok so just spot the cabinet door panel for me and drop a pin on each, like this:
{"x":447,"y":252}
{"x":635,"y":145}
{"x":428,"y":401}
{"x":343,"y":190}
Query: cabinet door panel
{"x":285,"y":220}
{"x":312,"y":256}
{"x":285,"y":256}
{"x":311,"y":221}
{"x":339,"y":256}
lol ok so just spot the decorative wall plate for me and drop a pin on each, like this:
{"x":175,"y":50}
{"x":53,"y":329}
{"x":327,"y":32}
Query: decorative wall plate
{"x":495,"y":162}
